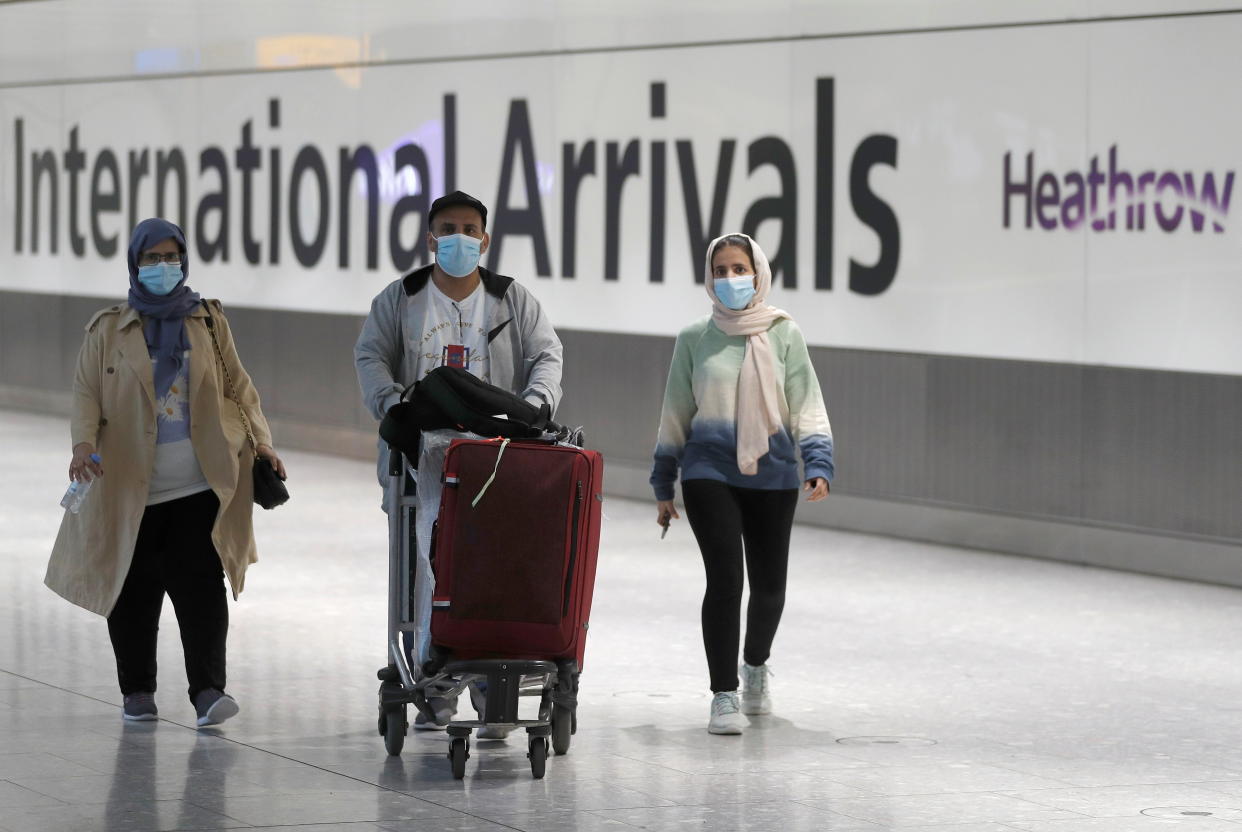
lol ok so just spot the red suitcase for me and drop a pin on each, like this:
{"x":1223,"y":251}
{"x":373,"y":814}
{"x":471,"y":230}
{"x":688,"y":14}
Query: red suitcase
{"x":515,"y":571}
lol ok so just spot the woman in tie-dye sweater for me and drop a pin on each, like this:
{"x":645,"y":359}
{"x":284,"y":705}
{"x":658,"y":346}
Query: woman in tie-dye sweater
{"x":741,"y":404}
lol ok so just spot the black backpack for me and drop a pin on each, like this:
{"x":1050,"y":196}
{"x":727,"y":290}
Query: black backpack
{"x":451,"y":397}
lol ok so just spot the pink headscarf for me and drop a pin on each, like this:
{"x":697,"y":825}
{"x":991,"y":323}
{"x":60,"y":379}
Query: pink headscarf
{"x":758,"y":410}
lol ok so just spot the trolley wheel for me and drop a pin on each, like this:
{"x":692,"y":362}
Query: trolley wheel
{"x":538,"y":756}
{"x":458,"y":754}
{"x":562,"y":728}
{"x":394,"y":730}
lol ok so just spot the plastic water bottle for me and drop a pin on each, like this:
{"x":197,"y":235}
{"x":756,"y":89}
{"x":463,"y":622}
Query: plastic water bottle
{"x":75,"y":495}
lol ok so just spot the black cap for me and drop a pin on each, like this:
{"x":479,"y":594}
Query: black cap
{"x":456,"y":198}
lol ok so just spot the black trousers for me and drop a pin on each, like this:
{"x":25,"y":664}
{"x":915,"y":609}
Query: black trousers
{"x":736,"y":528}
{"x":174,"y":555}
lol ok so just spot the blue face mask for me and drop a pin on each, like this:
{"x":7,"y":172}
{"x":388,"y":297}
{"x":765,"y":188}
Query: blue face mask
{"x":159,"y":279}
{"x":735,"y":292}
{"x":458,"y":254}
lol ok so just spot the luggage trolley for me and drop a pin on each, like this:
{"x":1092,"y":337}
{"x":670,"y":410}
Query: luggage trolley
{"x":509,"y":670}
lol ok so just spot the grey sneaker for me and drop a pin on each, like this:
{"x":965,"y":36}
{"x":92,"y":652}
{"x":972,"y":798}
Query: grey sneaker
{"x":214,"y":706}
{"x":444,"y":707}
{"x":140,"y":707}
{"x":756,"y":698}
{"x":726,"y":715}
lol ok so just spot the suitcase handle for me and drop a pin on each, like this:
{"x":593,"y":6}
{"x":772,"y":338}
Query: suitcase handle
{"x":573,"y":551}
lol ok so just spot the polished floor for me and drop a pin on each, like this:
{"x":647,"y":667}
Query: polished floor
{"x":917,"y":687}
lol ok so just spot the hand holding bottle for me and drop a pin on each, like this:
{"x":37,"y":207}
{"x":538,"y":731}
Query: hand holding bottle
{"x":83,"y":470}
{"x":85,"y":464}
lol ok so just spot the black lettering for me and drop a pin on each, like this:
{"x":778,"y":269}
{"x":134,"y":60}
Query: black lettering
{"x":450,"y":143}
{"x":825,"y":168}
{"x":412,"y":156}
{"x":659,"y":106}
{"x":573,"y":171}
{"x":19,"y":182}
{"x":773,"y":151}
{"x":528,"y":221}
{"x":104,"y":200}
{"x":659,"y":190}
{"x":166,"y":163}
{"x":699,"y":239}
{"x":139,"y":167}
{"x":617,"y":168}
{"x":308,"y":159}
{"x":217,"y":201}
{"x":75,"y":162}
{"x":247,"y":158}
{"x":350,"y":163}
{"x":875,"y":212}
{"x":40,"y":164}
{"x":274,"y":190}
{"x":659,"y":220}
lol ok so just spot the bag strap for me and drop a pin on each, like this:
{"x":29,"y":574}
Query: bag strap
{"x":211,"y":327}
{"x":504,"y":443}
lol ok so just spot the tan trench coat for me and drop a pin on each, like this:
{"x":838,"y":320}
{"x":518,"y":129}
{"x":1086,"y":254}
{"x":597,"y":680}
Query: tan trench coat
{"x":114,"y":409}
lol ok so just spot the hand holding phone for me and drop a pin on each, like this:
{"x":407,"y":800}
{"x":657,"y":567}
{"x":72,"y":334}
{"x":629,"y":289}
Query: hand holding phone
{"x":666,"y":512}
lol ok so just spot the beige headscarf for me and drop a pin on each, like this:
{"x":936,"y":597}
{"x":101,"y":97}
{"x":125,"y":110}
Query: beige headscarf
{"x":758,"y":411}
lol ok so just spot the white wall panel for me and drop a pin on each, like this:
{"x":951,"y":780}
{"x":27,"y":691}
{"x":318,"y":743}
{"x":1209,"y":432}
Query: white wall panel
{"x":84,"y":39}
{"x":948,"y":105}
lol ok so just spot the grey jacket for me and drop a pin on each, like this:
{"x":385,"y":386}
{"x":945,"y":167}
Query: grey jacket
{"x":524,"y":353}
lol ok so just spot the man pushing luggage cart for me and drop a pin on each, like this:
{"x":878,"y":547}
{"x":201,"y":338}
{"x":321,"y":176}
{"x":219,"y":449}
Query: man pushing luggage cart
{"x":451,"y":313}
{"x":513,"y":555}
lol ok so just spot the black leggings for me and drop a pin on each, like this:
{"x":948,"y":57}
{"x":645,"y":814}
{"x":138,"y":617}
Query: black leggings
{"x":174,"y":554}
{"x":723,"y":517}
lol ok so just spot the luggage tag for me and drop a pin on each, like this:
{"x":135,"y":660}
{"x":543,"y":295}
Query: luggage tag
{"x":455,"y":355}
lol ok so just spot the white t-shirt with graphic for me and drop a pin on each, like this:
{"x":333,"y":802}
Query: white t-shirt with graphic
{"x":176,"y":473}
{"x":454,"y":333}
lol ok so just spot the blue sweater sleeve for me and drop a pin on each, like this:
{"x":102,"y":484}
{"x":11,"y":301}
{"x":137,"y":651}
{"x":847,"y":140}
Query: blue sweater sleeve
{"x":807,"y":415}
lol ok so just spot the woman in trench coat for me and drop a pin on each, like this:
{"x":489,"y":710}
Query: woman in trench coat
{"x":171,"y":512}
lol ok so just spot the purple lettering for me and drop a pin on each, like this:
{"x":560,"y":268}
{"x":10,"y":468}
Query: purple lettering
{"x":1077,"y":197}
{"x":1046,"y":193}
{"x":1073,"y":210}
{"x":1019,"y":188}
{"x":1095,"y":179}
{"x":1123,"y":179}
{"x":1208,"y":198}
{"x":1146,"y":179}
{"x":1168,"y":180}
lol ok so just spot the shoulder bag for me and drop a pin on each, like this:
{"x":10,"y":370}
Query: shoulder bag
{"x":269,"y":490}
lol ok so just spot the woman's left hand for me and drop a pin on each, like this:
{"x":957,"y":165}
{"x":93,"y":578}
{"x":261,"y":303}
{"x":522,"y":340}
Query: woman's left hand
{"x":268,"y":453}
{"x":818,"y":486}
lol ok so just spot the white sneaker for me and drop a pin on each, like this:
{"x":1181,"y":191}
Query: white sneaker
{"x":756,"y":698}
{"x":493,"y":732}
{"x":726,"y":716}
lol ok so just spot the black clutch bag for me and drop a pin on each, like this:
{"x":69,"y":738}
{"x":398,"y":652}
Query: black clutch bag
{"x":269,"y":488}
